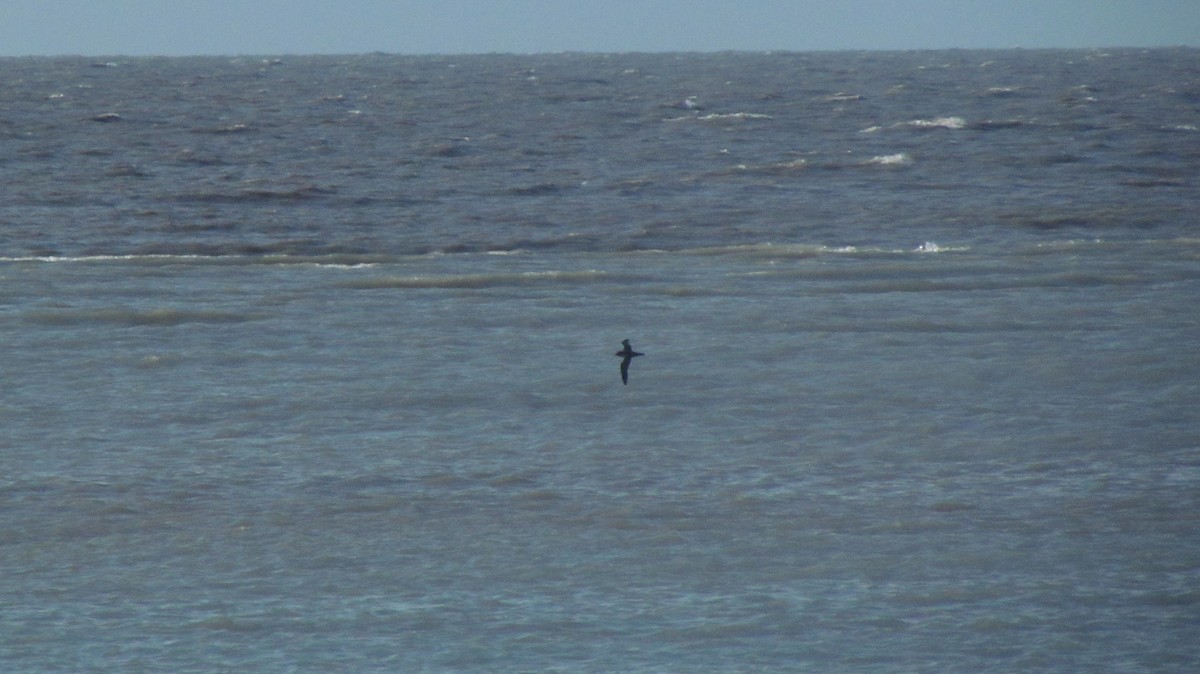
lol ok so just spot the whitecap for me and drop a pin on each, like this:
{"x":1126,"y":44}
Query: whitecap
{"x":934,"y":247}
{"x":734,"y":115}
{"x":898,"y":159}
{"x":938,"y":123}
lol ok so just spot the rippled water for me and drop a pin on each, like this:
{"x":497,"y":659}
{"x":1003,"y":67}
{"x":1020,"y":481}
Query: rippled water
{"x":309,"y":363}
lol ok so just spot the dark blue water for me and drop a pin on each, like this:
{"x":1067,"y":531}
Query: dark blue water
{"x":399,"y":155}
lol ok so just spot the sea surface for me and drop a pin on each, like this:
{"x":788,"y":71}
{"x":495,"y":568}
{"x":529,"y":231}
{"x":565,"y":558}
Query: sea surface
{"x":308,"y":363}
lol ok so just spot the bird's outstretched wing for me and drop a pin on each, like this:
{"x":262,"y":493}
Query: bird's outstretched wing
{"x":625,"y":369}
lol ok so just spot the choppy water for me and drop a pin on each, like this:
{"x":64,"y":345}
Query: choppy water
{"x":308,"y":363}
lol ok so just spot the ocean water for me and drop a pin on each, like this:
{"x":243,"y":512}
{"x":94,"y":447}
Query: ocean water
{"x":308,"y":363}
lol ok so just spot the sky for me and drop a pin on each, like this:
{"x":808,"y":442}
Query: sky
{"x":279,"y":27}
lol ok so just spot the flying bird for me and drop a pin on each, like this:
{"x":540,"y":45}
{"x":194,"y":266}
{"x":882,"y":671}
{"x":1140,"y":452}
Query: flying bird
{"x":627,"y":354}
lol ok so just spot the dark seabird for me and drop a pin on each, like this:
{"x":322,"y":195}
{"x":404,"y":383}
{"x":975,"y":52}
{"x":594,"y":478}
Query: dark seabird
{"x":627,"y":354}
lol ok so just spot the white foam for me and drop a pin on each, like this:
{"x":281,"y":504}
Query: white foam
{"x":100,"y":258}
{"x":938,"y":123}
{"x":934,"y":247}
{"x":734,"y":115}
{"x":330,"y":261}
{"x":898,"y":159}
